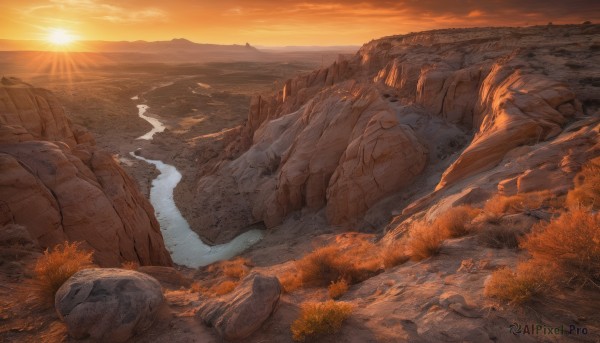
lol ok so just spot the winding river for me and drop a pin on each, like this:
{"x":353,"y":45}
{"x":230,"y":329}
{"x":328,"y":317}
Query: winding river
{"x":185,"y":245}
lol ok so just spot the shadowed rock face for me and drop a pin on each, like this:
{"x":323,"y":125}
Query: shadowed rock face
{"x":61,"y":188}
{"x":449,"y":102}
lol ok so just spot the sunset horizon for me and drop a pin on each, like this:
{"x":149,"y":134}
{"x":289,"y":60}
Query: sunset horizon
{"x":273,"y":23}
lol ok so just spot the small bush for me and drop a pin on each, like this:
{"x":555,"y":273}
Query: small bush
{"x":394,"y":254}
{"x":499,"y":205}
{"x":337,"y":289}
{"x":355,"y":262}
{"x":425,"y":241}
{"x":58,"y":265}
{"x":237,"y":268}
{"x":530,"y":279}
{"x":223,"y":288}
{"x":457,"y":220}
{"x":320,"y":319}
{"x":130,"y":265}
{"x":587,"y":187}
{"x":572,"y":242}
{"x":501,"y":236}
{"x":290,"y":282}
{"x":197,"y":287}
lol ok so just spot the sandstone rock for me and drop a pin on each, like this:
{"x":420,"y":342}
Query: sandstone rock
{"x":383,"y":160}
{"x":36,"y":110}
{"x":237,"y":315}
{"x":455,"y":102}
{"x":167,"y":276}
{"x":77,"y":192}
{"x":108,"y":305}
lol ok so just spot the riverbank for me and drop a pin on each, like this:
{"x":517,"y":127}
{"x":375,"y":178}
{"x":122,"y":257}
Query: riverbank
{"x":184,"y":245}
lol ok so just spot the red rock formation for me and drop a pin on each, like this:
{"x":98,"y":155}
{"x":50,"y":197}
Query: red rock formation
{"x":61,"y":190}
{"x":345,"y":137}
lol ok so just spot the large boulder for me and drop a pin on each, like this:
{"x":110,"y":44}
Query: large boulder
{"x":240,"y":313}
{"x":108,"y":305}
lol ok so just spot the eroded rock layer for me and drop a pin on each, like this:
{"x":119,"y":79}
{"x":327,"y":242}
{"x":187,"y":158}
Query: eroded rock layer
{"x":443,"y":105}
{"x":57,"y":184}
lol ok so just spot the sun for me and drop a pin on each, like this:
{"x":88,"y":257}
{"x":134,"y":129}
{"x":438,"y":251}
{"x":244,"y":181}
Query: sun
{"x":60,"y":37}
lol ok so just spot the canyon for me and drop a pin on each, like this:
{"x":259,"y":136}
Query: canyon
{"x":362,"y":152}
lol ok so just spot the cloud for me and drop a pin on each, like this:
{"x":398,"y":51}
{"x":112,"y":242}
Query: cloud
{"x":95,"y":9}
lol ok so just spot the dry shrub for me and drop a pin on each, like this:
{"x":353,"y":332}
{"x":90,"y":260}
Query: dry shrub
{"x":499,"y":205}
{"x":587,"y":187}
{"x":320,"y":319}
{"x":290,"y":281}
{"x":354,"y":262}
{"x":572,"y":242}
{"x":501,"y":236}
{"x":394,"y":254}
{"x":58,"y":265}
{"x":530,"y":279}
{"x":425,"y":240}
{"x":130,"y":265}
{"x":236,"y":268}
{"x":223,"y":288}
{"x":197,"y":287}
{"x":457,"y":220}
{"x":337,"y":289}
{"x":221,"y":277}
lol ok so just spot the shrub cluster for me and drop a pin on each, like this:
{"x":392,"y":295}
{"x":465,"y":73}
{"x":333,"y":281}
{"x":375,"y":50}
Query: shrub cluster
{"x":57,"y":266}
{"x":320,"y":318}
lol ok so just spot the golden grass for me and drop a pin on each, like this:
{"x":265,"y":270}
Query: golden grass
{"x":130,"y":265}
{"x":237,"y":268}
{"x":318,"y":319}
{"x":223,"y":288}
{"x":197,"y":287}
{"x":57,"y":266}
{"x":499,"y":205}
{"x":572,"y":242}
{"x":337,"y":289}
{"x":565,"y":250}
{"x":222,"y":277}
{"x":425,"y":240}
{"x":394,"y":254}
{"x":530,"y":279}
{"x":587,"y":187}
{"x":456,"y":221}
{"x":354,"y":262}
{"x":501,"y":236}
{"x":290,"y":281}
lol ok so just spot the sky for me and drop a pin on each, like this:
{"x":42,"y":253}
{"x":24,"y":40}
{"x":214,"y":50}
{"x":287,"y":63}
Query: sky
{"x":274,"y":23}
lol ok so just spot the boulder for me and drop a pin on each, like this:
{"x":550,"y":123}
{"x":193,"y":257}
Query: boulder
{"x":239,"y":314}
{"x":108,"y":305}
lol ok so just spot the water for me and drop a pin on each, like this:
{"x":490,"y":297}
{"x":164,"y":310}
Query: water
{"x":185,"y":245}
{"x":157,"y":126}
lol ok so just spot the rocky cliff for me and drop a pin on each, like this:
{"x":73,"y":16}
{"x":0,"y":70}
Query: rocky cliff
{"x":57,"y":184}
{"x":417,"y":115}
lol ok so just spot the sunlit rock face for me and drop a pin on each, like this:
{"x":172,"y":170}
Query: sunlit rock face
{"x":444,"y":105}
{"x":57,"y":184}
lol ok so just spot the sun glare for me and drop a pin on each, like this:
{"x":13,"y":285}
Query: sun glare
{"x":60,"y":37}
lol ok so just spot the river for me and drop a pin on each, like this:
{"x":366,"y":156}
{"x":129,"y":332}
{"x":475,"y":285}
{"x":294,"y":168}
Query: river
{"x":183,"y":243}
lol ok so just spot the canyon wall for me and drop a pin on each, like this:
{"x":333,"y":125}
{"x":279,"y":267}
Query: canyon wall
{"x":57,"y":184}
{"x":447,"y":106}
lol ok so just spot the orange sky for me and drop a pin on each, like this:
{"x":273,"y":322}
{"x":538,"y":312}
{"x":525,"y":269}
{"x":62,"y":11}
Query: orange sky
{"x":280,"y":22}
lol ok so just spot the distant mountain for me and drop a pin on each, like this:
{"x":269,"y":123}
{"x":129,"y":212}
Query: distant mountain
{"x":174,"y":50}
